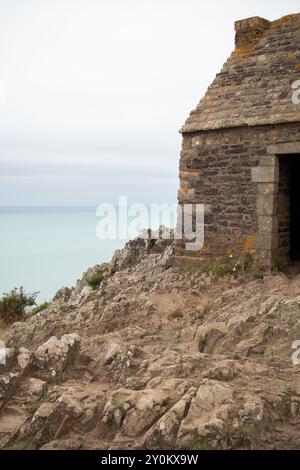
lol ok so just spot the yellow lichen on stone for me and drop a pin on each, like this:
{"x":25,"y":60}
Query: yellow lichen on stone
{"x":243,"y":51}
{"x":287,"y":18}
{"x":284,"y":21}
{"x":249,"y":243}
{"x":290,"y":58}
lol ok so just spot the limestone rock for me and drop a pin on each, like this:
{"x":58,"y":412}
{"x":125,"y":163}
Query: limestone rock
{"x":10,"y":423}
{"x":84,"y":402}
{"x":52,"y":357}
{"x":24,"y":359}
{"x":208,"y":413}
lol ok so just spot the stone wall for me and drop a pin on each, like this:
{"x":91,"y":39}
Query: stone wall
{"x":234,"y":173}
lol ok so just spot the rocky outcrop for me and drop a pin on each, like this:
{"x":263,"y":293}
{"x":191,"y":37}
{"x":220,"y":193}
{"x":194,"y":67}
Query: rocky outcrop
{"x":156,"y":358}
{"x":52,"y":357}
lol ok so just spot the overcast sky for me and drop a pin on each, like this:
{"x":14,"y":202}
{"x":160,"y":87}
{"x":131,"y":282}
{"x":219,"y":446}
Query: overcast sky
{"x":96,"y":91}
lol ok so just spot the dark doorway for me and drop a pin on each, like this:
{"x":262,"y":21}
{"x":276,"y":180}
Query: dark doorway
{"x":295,"y":208}
{"x":289,"y":207}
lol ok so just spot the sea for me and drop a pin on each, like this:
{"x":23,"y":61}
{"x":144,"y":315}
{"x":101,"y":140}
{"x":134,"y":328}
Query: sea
{"x":46,"y":248}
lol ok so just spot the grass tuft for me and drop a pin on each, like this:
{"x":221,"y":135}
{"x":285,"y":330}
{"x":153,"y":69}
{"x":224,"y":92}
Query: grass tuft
{"x":201,"y":343}
{"x":176,"y":314}
{"x":40,"y":308}
{"x":95,"y":280}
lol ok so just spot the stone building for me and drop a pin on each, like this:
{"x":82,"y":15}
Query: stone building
{"x":241,"y":147}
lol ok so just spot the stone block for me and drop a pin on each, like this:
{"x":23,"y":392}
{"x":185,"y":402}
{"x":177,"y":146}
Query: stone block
{"x":265,"y":225}
{"x":268,"y":160}
{"x":262,"y":174}
{"x":265,"y":258}
{"x":265,"y":242}
{"x":265,"y":204}
{"x":267,"y":188}
{"x":284,"y":149}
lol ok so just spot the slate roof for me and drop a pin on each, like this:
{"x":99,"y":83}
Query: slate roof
{"x":255,"y":84}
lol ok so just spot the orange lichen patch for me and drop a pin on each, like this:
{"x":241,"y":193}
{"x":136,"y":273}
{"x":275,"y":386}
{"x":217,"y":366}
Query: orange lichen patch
{"x":243,"y":51}
{"x":249,"y":243}
{"x":251,"y":38}
{"x":285,"y":20}
{"x":186,"y":193}
{"x":290,"y":58}
{"x":297,"y":67}
{"x":288,"y":18}
{"x":187,"y":175}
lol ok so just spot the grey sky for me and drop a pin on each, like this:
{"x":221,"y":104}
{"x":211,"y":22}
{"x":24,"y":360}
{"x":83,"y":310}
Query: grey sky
{"x":97,"y":90}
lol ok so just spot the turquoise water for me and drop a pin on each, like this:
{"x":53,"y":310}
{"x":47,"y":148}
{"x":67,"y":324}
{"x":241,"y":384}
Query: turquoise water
{"x":44,"y":249}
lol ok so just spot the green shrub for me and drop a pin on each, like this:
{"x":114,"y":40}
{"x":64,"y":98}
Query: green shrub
{"x":176,"y":313}
{"x":14,"y":303}
{"x":95,"y":280}
{"x":40,"y":307}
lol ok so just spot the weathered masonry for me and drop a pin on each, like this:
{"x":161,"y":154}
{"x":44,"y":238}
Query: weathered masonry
{"x":241,"y":147}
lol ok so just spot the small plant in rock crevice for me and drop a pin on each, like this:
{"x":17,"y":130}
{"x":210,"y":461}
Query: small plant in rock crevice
{"x":95,"y":280}
{"x":201,"y":343}
{"x":201,"y":314}
{"x":176,"y":314}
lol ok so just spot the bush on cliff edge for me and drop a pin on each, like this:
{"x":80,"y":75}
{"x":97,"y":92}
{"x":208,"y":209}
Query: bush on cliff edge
{"x":14,"y":303}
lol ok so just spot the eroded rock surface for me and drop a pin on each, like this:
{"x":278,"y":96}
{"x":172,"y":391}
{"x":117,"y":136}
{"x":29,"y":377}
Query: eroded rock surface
{"x":156,"y":358}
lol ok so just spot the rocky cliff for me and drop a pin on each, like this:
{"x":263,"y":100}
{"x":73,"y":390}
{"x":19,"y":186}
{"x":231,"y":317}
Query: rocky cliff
{"x":156,"y":357}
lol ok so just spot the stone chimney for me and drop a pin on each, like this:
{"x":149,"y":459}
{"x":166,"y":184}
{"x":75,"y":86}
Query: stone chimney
{"x":250,"y":30}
